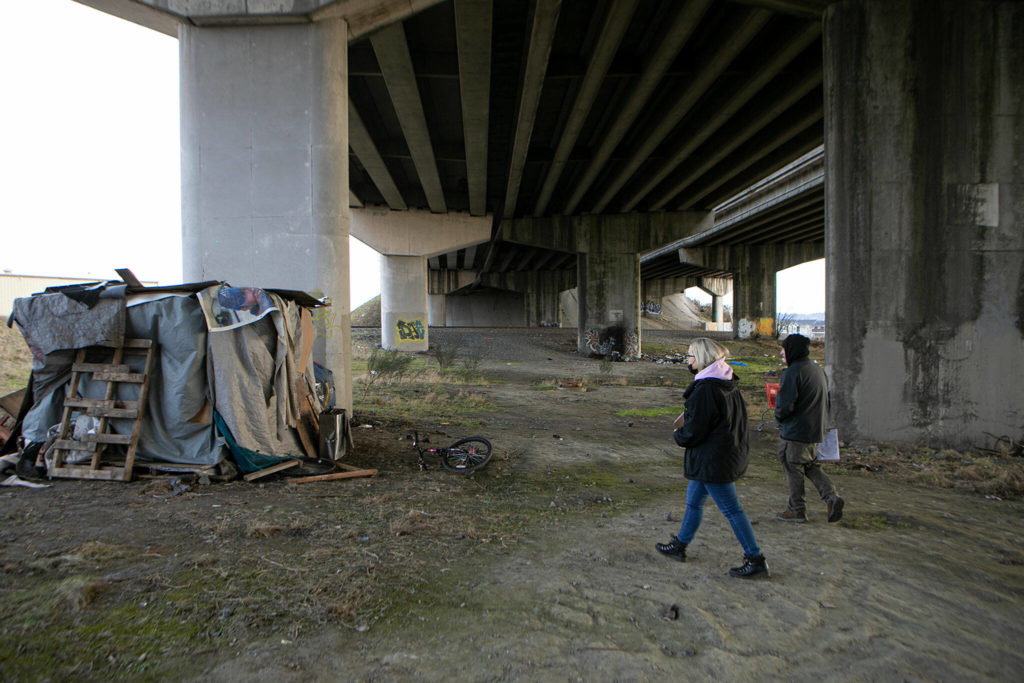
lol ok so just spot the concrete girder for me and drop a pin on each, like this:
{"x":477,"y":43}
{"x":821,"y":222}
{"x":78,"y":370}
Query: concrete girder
{"x":766,"y":73}
{"x":392,"y":51}
{"x":732,"y":258}
{"x":473,"y":34}
{"x":728,"y":50}
{"x":679,"y":33}
{"x":354,"y":201}
{"x":165,"y":16}
{"x":779,"y":227}
{"x":615,"y":26}
{"x":806,"y":85}
{"x":366,"y":151}
{"x":643,"y":231}
{"x":815,"y":117}
{"x":417,"y":233}
{"x":542,"y":35}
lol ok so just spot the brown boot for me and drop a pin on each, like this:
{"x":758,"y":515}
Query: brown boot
{"x":792,"y":516}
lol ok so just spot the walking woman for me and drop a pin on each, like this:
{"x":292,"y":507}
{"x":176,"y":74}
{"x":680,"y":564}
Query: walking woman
{"x":714,"y":434}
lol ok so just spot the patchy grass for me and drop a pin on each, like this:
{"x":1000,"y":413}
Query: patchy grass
{"x":650,"y":412}
{"x":15,"y":359}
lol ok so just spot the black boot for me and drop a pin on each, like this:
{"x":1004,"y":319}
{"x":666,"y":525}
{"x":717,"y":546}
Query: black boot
{"x":674,"y":548}
{"x":753,"y":568}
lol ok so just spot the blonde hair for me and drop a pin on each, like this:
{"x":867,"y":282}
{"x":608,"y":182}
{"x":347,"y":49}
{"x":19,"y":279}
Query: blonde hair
{"x":706,"y":351}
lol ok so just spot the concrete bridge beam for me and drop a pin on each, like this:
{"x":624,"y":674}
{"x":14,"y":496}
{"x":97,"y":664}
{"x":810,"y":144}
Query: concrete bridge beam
{"x":925,"y":189}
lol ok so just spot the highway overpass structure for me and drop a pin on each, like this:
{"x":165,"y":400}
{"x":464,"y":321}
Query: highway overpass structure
{"x":503,"y":151}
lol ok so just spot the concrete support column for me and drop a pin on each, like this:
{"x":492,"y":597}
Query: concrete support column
{"x":718,"y":288}
{"x":608,"y":283}
{"x":264,"y":156}
{"x":403,"y":303}
{"x":924,"y":136}
{"x":717,"y":309}
{"x":753,"y":299}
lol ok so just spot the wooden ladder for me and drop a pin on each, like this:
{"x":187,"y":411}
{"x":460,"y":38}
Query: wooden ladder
{"x":106,"y":463}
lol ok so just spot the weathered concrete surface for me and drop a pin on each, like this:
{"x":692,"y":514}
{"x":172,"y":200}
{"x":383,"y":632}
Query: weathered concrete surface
{"x":403,"y":303}
{"x":264,"y":149}
{"x":540,"y":291}
{"x":485,"y":307}
{"x":417,"y":232}
{"x":925,"y":231}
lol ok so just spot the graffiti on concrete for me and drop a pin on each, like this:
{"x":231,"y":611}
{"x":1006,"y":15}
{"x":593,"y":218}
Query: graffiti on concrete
{"x":756,"y":328}
{"x":652,"y":308}
{"x":598,"y":344}
{"x":409,"y":331}
{"x":614,"y":342}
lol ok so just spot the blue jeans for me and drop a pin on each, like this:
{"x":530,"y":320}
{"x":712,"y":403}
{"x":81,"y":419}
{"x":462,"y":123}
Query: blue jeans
{"x":725,"y":498}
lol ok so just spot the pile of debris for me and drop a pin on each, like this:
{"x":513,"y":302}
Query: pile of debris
{"x":200,"y":378}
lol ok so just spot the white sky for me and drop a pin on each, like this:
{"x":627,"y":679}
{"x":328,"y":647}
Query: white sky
{"x":89,"y":169}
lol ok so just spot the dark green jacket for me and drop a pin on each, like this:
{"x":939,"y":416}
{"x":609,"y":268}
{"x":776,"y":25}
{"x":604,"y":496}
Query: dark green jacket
{"x":715,"y":431}
{"x":802,"y":405}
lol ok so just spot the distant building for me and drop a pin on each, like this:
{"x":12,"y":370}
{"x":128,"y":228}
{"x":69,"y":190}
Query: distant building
{"x":16,"y":286}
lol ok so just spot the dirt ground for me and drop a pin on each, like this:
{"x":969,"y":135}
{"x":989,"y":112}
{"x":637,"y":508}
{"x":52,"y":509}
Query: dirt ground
{"x":540,"y":567}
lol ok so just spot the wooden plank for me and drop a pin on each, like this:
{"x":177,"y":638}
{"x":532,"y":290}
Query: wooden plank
{"x":138,"y":344}
{"x":147,"y":372}
{"x":271,"y":470}
{"x":128,"y":277}
{"x":100,"y":367}
{"x":76,"y":472}
{"x":122,"y":377}
{"x":90,"y":440}
{"x":333,"y":476}
{"x":89,"y":403}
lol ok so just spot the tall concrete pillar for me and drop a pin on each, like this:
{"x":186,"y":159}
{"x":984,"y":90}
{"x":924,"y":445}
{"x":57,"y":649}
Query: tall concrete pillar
{"x":264,"y":156}
{"x":718,"y":288}
{"x":403,"y":303}
{"x":608,"y":283}
{"x":925,"y":195}
{"x":753,"y":299}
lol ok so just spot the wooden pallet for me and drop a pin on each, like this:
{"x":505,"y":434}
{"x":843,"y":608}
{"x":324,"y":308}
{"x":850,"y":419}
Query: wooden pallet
{"x":106,"y":462}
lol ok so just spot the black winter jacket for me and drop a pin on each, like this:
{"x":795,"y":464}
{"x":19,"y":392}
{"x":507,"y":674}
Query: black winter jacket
{"x":802,"y":404}
{"x":715,"y":431}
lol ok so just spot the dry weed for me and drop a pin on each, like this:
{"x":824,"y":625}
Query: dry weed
{"x":79,"y":592}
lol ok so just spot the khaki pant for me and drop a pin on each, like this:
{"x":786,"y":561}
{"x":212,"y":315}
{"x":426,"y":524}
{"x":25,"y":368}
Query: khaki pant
{"x":798,"y":461}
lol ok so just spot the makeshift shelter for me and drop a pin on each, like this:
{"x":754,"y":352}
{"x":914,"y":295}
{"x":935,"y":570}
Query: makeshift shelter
{"x":230,"y":374}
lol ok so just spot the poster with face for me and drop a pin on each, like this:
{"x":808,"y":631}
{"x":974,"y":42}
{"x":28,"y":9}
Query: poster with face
{"x":228,"y":307}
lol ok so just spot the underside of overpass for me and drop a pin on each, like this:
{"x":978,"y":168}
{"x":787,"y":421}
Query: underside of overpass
{"x":540,"y":141}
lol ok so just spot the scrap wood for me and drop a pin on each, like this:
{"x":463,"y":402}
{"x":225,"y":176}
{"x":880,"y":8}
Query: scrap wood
{"x":335,"y":475}
{"x":270,"y":470}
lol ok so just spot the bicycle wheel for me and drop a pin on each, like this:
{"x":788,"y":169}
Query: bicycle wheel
{"x":467,"y":455}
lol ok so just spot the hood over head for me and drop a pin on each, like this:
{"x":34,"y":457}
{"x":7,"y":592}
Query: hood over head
{"x":797,"y":347}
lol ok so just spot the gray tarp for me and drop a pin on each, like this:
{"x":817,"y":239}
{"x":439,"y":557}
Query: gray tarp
{"x":256,"y":375}
{"x":177,"y":386}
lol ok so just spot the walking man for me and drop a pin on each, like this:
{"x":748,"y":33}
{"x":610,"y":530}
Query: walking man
{"x":803,"y":412}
